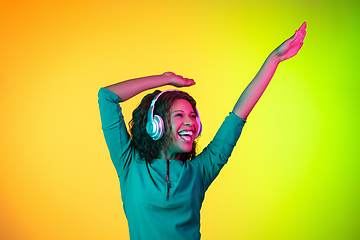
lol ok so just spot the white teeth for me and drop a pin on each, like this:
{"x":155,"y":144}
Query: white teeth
{"x":181,"y":133}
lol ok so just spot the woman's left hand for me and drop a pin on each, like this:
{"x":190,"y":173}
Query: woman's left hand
{"x":290,"y":47}
{"x":178,"y":80}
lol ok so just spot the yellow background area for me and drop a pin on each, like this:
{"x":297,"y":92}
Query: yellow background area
{"x":294,"y":173}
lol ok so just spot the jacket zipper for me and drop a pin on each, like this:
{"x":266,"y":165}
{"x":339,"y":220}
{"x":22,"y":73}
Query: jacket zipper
{"x":168,"y":179}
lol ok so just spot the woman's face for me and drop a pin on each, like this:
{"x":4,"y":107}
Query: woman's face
{"x":183,"y":128}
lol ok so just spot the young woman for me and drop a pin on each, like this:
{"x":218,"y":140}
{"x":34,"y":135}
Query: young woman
{"x":162,"y":180}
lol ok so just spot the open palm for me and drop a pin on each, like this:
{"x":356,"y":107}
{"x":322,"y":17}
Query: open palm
{"x":290,"y":47}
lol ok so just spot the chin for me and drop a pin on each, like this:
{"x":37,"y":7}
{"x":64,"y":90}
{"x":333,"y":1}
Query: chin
{"x":184,"y":149}
{"x":187,"y":149}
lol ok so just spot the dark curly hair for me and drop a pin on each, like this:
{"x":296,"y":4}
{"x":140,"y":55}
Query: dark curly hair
{"x":141,"y":141}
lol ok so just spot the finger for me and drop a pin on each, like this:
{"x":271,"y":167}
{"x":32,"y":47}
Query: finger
{"x":186,"y":82}
{"x":191,"y":82}
{"x":170,"y":73}
{"x":303,"y":26}
{"x":300,"y":46}
{"x":303,"y":31}
{"x":302,"y":36}
{"x":299,"y":32}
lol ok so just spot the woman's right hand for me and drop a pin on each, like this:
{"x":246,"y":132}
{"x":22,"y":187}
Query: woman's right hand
{"x":179,"y":81}
{"x":291,"y":47}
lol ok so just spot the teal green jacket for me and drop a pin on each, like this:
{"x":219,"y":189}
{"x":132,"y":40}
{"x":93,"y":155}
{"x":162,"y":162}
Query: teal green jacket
{"x":153,"y":209}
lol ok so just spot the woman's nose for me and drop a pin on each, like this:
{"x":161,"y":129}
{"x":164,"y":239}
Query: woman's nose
{"x":187,"y":124}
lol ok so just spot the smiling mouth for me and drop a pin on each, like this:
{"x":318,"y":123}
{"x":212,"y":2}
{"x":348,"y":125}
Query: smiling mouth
{"x":186,"y":136}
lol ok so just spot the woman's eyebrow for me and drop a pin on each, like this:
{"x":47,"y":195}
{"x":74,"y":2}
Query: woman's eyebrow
{"x":180,"y":111}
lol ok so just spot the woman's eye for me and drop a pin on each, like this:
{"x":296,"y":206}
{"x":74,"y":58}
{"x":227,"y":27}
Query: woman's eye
{"x":178,"y":115}
{"x":193,"y":116}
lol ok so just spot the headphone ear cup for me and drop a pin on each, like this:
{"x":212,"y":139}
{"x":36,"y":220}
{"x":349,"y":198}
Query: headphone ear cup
{"x":150,"y":128}
{"x":199,"y":127}
{"x":158,"y":125}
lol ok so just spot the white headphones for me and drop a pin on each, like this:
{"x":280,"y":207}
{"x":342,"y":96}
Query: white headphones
{"x":155,"y":124}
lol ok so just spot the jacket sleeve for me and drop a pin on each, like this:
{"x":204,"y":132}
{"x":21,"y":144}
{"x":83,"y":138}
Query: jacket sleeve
{"x":116,"y":136}
{"x":215,"y":155}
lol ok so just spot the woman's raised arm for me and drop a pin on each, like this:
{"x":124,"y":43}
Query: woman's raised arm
{"x":257,"y":86}
{"x":130,"y":88}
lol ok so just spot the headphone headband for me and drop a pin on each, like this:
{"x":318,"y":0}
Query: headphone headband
{"x":152,"y":105}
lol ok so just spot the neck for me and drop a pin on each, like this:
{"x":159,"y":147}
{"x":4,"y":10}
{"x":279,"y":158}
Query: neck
{"x":168,"y":156}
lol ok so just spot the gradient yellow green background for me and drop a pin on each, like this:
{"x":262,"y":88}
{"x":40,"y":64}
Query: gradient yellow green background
{"x":295,"y":171}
